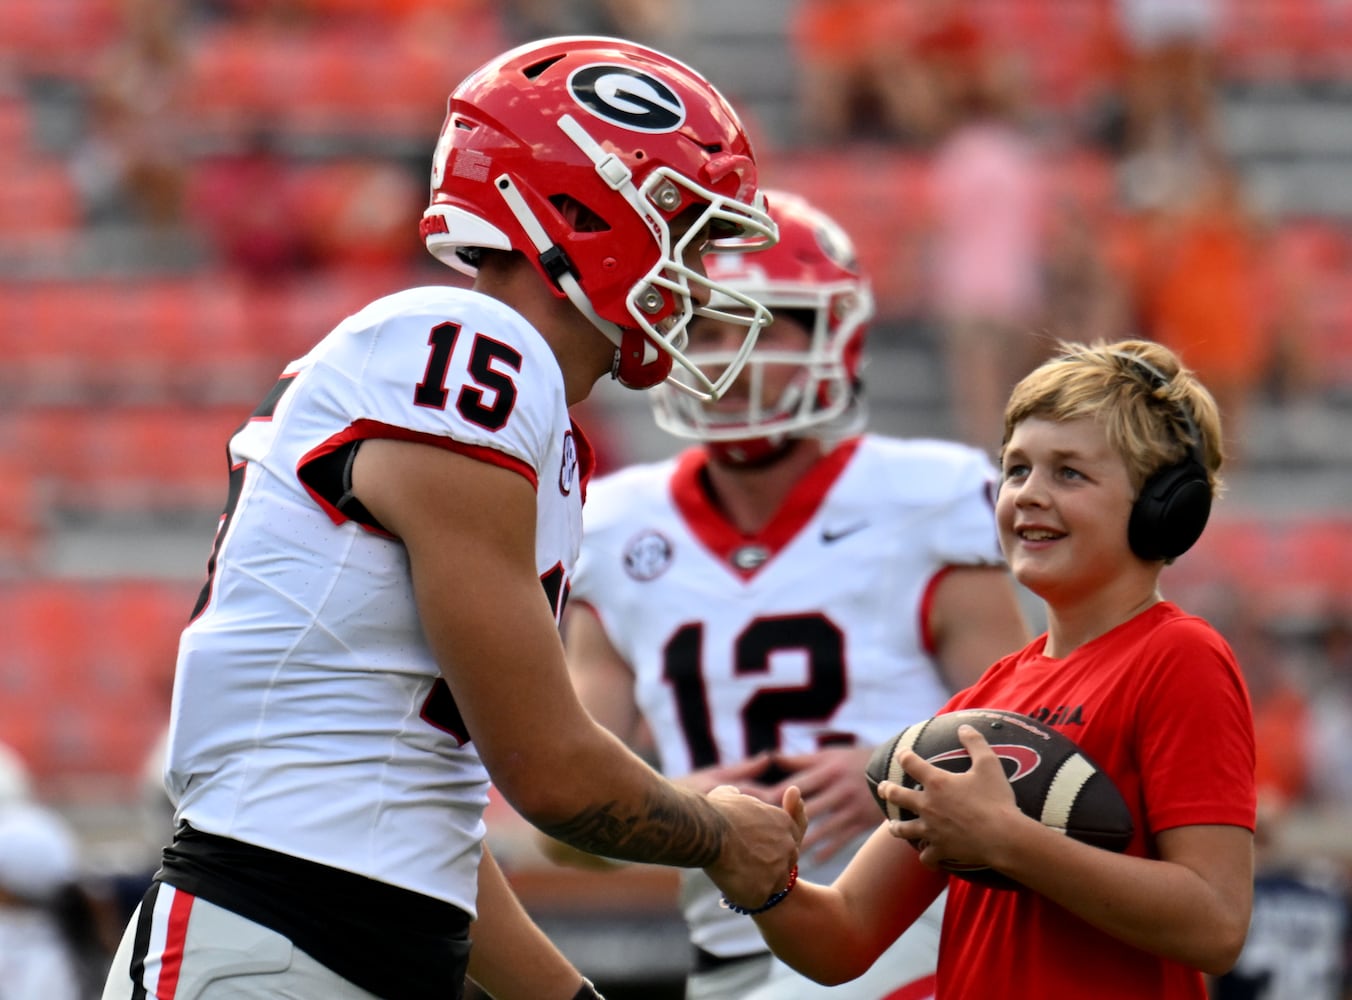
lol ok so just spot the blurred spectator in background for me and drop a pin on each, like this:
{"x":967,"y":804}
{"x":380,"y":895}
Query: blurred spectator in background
{"x":883,"y":69}
{"x":660,"y":23}
{"x":245,"y":205}
{"x":836,"y":86}
{"x":1170,"y":51}
{"x":1300,"y":935}
{"x":1203,"y":282}
{"x":1283,"y":720}
{"x":352,"y":214}
{"x":986,"y":253}
{"x":49,"y":946}
{"x":943,"y":57}
{"x":1331,"y":675}
{"x":269,"y":216}
{"x":130,"y":163}
{"x":1083,"y":294}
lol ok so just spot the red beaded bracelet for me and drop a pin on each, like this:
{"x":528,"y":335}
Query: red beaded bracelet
{"x":770,"y":903}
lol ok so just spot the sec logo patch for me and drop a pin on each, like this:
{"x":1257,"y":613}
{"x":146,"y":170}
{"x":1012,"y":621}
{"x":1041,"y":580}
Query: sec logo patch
{"x":647,"y":556}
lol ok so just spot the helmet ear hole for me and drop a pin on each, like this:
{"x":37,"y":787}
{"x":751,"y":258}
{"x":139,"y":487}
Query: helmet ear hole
{"x":581,"y":218}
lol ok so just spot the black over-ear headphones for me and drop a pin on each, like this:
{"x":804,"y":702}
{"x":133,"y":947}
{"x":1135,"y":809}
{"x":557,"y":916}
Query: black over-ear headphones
{"x":1174,"y":504}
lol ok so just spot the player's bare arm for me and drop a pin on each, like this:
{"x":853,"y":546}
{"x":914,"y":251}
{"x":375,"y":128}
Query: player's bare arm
{"x":512,"y":959}
{"x":1191,"y":904}
{"x":605,"y":684}
{"x":834,"y":933}
{"x":462,"y":520}
{"x":975,"y":620}
{"x":603,"y":680}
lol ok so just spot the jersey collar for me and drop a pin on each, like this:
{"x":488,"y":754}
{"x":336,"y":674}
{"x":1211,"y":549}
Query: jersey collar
{"x":745,"y":555}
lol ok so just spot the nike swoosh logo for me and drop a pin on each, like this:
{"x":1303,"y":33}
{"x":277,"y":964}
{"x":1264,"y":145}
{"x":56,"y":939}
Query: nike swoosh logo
{"x":829,"y":535}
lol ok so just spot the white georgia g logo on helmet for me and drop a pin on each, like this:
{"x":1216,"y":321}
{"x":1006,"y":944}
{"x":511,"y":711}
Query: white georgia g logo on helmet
{"x":627,"y":97}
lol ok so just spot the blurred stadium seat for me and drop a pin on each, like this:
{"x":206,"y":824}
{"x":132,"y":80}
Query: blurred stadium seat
{"x":20,"y":525}
{"x":57,"y":37}
{"x":340,"y":80}
{"x":85,"y":675}
{"x":1292,"y":568}
{"x":200,"y":340}
{"x":37,"y":197}
{"x":1287,"y":40}
{"x":128,"y":459}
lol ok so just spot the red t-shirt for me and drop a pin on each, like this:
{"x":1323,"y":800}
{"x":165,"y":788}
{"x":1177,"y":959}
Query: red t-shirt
{"x":1160,"y":705}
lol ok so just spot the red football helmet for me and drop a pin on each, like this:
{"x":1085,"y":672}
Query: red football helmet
{"x":579,"y":152}
{"x":812,"y":272}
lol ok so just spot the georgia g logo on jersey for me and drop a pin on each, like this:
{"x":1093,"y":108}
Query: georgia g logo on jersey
{"x":627,"y":97}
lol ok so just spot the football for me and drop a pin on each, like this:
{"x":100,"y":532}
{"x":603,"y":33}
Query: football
{"x":1054,"y":781}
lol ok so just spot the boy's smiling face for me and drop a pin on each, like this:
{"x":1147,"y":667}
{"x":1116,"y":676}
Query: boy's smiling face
{"x":1064,"y":502}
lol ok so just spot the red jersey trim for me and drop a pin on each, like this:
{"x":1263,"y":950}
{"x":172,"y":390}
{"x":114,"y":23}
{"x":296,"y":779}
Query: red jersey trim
{"x":713,"y":530}
{"x":363,"y":429}
{"x":585,"y":605}
{"x":927,"y":609}
{"x":586,"y":456}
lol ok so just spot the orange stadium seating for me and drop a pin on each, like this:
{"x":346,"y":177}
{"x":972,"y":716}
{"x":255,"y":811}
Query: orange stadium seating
{"x":1287,"y":40}
{"x":86,"y":673}
{"x":335,"y":79}
{"x":1290,"y":568}
{"x":38,"y":196}
{"x":57,"y":36}
{"x":82,"y":342}
{"x":126,"y":459}
{"x":20,"y":525}
{"x":884,"y":194}
{"x":200,"y":339}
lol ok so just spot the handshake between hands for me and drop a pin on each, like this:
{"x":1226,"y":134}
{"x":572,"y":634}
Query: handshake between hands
{"x":759,"y":859}
{"x":828,"y":784}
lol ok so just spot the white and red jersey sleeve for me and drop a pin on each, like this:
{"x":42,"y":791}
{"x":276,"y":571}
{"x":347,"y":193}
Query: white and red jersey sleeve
{"x":309,"y":715}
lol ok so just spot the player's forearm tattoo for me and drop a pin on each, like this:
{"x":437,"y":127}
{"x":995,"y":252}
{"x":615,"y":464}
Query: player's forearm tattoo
{"x":665,"y":832}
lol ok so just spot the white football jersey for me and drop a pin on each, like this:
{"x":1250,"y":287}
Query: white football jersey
{"x":807,"y":635}
{"x":309,"y":715}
